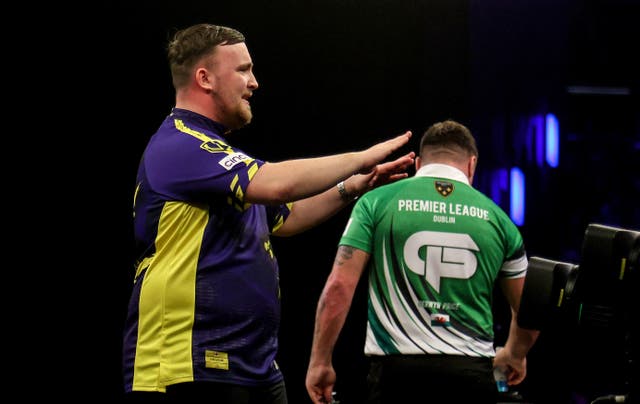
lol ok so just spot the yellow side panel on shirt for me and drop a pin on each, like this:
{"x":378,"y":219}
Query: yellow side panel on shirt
{"x":167,"y":300}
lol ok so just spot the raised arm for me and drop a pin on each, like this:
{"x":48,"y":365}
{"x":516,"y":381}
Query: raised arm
{"x":292,"y":180}
{"x":309,"y":212}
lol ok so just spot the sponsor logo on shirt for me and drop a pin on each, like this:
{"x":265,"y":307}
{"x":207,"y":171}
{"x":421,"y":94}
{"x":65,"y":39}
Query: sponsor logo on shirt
{"x":232,"y":159}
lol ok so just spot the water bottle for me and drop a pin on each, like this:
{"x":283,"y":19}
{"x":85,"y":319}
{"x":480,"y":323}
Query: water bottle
{"x":500,"y":376}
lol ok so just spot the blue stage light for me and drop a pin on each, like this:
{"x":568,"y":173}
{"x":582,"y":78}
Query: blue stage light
{"x":517,"y":196}
{"x":552,"y":135}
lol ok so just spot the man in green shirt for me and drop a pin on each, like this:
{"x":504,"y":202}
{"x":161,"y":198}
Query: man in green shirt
{"x":434,"y":247}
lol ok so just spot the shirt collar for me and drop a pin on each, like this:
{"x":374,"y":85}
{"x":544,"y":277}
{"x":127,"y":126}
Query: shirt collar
{"x":201,"y":120}
{"x":442,"y":171}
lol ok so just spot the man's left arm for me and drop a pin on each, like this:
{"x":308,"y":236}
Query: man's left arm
{"x":310,"y":212}
{"x":520,"y":340}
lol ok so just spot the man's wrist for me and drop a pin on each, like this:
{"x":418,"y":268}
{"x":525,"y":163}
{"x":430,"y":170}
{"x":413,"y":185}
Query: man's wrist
{"x":344,"y":194}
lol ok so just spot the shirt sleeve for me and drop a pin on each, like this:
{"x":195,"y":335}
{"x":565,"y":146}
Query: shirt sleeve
{"x":516,"y":262}
{"x":185,"y":168}
{"x":276,"y":215}
{"x":359,"y":230}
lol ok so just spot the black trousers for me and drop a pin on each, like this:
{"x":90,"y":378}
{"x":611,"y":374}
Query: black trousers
{"x":430,"y":379}
{"x":214,"y":393}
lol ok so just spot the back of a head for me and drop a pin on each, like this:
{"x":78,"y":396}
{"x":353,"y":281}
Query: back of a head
{"x":188,"y":46}
{"x":447,"y":141}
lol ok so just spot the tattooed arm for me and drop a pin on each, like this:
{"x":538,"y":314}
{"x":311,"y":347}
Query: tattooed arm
{"x":333,"y":307}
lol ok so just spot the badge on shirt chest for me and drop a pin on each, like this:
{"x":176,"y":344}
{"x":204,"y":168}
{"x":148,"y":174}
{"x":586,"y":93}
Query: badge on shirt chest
{"x":444,"y":188}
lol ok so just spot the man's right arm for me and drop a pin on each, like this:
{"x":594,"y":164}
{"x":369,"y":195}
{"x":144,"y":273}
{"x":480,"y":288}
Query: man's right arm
{"x":333,"y":307}
{"x":292,"y":180}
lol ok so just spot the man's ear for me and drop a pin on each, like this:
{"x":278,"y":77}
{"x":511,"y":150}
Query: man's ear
{"x":418,"y":163}
{"x":205,"y":79}
{"x":471,"y":168}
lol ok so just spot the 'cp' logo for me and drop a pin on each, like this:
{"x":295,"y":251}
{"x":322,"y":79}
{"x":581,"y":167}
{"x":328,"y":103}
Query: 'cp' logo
{"x":448,"y":255}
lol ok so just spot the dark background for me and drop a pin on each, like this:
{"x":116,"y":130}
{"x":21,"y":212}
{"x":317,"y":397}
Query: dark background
{"x":340,"y":75}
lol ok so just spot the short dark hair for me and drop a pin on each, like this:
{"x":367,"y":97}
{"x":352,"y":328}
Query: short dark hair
{"x":190,"y":45}
{"x":447,"y":138}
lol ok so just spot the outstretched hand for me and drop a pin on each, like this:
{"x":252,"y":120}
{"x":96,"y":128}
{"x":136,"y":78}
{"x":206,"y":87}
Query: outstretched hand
{"x":379,"y":152}
{"x":383,"y":173}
